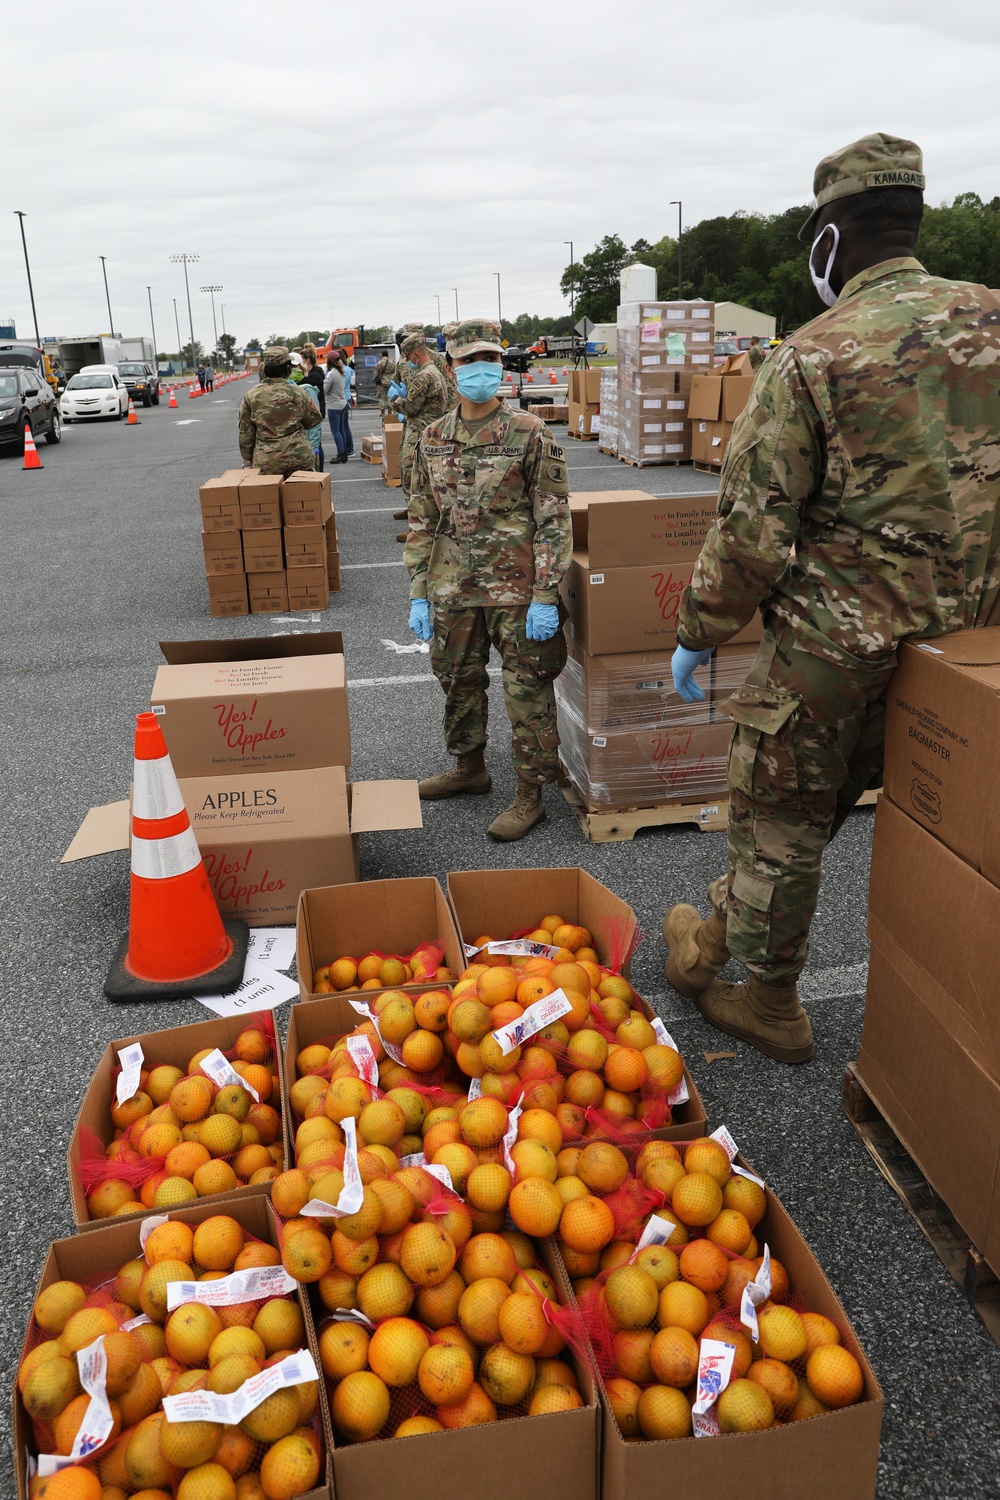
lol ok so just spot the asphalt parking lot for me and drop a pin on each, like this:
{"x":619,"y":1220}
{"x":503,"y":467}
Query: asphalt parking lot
{"x":101,"y":561}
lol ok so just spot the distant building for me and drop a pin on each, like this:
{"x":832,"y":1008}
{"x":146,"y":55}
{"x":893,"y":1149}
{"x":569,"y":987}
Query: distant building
{"x":732,"y":318}
{"x":7,"y":329}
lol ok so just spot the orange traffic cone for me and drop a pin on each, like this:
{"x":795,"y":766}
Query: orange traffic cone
{"x":133,"y":420}
{"x":31,"y":459}
{"x":177,"y":943}
{"x":530,"y":379}
{"x":552,"y":377}
{"x":191,"y":392}
{"x":173,"y":399}
{"x":565,"y":371}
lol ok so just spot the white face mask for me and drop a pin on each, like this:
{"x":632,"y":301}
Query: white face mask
{"x":822,"y":283}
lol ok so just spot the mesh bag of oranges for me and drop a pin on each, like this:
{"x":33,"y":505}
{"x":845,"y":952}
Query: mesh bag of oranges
{"x":559,"y":940}
{"x":380,"y":971}
{"x":180,"y":1134}
{"x":185,"y":1374}
{"x":694,"y":1326}
{"x":448,"y":1328}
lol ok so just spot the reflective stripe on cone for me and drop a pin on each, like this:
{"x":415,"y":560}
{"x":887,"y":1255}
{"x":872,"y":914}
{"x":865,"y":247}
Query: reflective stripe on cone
{"x":160,"y":859}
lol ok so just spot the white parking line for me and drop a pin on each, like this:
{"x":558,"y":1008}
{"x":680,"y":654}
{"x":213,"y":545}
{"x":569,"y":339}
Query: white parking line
{"x":397,"y":562}
{"x":371,"y":510}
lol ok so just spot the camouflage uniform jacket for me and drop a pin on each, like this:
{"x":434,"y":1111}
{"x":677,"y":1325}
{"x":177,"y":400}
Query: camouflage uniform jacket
{"x":426,"y":398}
{"x":859,"y":494}
{"x":489,"y":514}
{"x":757,"y":356}
{"x":274,"y":419}
{"x":382,"y":374}
{"x":402,"y":372}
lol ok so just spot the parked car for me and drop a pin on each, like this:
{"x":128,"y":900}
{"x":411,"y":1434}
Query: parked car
{"x":141,"y":381}
{"x":725,"y":347}
{"x":26,"y":400}
{"x":95,"y":392}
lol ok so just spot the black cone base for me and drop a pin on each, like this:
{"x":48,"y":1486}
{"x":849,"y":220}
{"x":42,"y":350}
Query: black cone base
{"x":120,"y":985}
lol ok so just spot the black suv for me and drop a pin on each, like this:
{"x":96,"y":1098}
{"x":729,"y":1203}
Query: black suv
{"x":141,"y":381}
{"x":26,"y":400}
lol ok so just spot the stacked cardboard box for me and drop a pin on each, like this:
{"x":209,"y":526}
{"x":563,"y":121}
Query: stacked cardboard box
{"x":662,"y":346}
{"x":627,"y":740}
{"x":930,"y":1051}
{"x":584,"y":403}
{"x":267,"y":542}
{"x":715,"y":402}
{"x":609,"y":409}
{"x":392,"y":442}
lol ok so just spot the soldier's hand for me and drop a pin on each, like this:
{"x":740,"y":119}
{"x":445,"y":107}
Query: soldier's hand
{"x":420,"y":619}
{"x":683,"y":664}
{"x":542,"y":622}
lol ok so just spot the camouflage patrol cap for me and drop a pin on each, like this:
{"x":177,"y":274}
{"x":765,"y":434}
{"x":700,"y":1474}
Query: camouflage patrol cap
{"x":876,"y":161}
{"x":473,"y":336}
{"x":413,"y":341}
{"x":276,"y":354}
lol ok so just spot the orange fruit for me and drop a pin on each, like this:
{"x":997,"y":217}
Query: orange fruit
{"x":473,"y":1411}
{"x":536,"y":1206}
{"x":479,"y":1309}
{"x":396,"y":1349}
{"x":706,"y":1155}
{"x":382,"y":1122}
{"x":431,"y":1010}
{"x":217,"y":1242}
{"x":413,"y":1426}
{"x":50,"y":1387}
{"x":488,"y":1187}
{"x":105,"y":1200}
{"x":307,"y":1256}
{"x":569,"y":1188}
{"x":779,"y":1381}
{"x":437,"y":1306}
{"x":427,"y":1254}
{"x":602,"y":1167}
{"x":338,"y":1289}
{"x":697,"y":1198}
{"x":533,"y":1159}
{"x":85,"y":1325}
{"x":808,"y":1405}
{"x":534,"y":987}
{"x":730,"y":1230}
{"x":188,"y":1444}
{"x":506,"y":1376}
{"x":623,"y":1398}
{"x":346,"y":1096}
{"x":523,"y":1325}
{"x":674,"y":1357}
{"x":586,"y":1224}
{"x":664,"y":1412}
{"x":635,"y":1031}
{"x":666,"y":1067}
{"x":445,"y":1374}
{"x":626,"y":1069}
{"x":540,"y":1125}
{"x":214,"y":1177}
{"x":549,"y":1399}
{"x":470,"y":1020}
{"x":487,"y":1255}
{"x":819,"y":1331}
{"x":366,"y":1220}
{"x":682,"y":1305}
{"x":631,"y":1297}
{"x":587,"y":1048}
{"x":191,"y":1098}
{"x":661,"y":1263}
{"x":57,"y":1304}
{"x":290,"y":1467}
{"x":744,"y":1407}
{"x":360,"y":1406}
{"x":746,"y":1196}
{"x":631,"y":1350}
{"x":497,"y":985}
{"x":782,"y":1335}
{"x":704,"y":1265}
{"x":835,"y":1377}
{"x":397,"y":1204}
{"x":69,"y":1484}
{"x":279,"y":1325}
{"x":189,"y":1333}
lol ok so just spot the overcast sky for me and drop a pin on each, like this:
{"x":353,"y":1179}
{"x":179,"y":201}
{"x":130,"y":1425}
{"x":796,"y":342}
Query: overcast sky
{"x":334,"y":163}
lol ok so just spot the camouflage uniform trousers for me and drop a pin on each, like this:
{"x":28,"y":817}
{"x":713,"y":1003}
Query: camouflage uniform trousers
{"x":807,"y":742}
{"x":460,"y":650}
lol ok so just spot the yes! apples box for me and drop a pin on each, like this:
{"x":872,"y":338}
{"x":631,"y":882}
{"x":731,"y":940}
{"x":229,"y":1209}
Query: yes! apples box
{"x":380,"y":916}
{"x":502,"y":902}
{"x":93,"y":1259}
{"x":176,"y":1046}
{"x":273,"y":703}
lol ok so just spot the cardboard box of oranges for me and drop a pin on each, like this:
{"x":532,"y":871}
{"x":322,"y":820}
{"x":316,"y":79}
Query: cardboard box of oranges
{"x":96,"y":1258}
{"x":832,"y":1455}
{"x":382,"y":916}
{"x":169,"y":1054}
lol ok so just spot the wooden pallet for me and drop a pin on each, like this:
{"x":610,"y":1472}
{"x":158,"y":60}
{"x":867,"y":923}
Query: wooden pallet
{"x":584,"y":437}
{"x":621,"y":823}
{"x":611,"y":452}
{"x":952,"y":1246}
{"x":654,"y":463}
{"x":706,"y":468}
{"x":392,"y":483}
{"x":374,"y":458}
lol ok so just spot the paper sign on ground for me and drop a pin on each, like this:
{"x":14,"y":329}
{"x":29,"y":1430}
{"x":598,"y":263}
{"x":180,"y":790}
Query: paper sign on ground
{"x":274,"y":946}
{"x":262,"y":988}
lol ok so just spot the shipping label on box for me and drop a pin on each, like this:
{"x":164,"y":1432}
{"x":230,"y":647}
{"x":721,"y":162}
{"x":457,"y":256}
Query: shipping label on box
{"x":305,"y":499}
{"x":223,"y":553}
{"x":262,"y":552}
{"x":305,"y":546}
{"x":276,"y":702}
{"x":260,"y":502}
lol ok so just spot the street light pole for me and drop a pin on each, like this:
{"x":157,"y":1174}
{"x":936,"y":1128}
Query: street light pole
{"x":455,"y":290}
{"x":680,"y":261}
{"x":156,"y":355}
{"x":178,"y":327}
{"x":222,"y":315}
{"x":27,"y":267}
{"x":215,"y":328}
{"x":572,"y":284}
{"x":184,"y":260}
{"x":111,"y":321}
{"x":437,"y":299}
{"x":499,"y":308}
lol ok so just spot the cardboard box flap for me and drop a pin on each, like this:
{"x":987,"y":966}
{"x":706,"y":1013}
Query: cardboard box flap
{"x":381,"y":806}
{"x":253,"y":648}
{"x":103,"y":831}
{"x":966,"y":648}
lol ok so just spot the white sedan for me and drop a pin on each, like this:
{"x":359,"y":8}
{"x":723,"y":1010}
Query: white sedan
{"x":94,"y":394}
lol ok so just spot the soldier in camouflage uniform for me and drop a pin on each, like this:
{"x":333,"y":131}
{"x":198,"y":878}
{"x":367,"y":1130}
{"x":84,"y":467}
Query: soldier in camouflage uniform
{"x":382,"y":377}
{"x":274,"y":419}
{"x":858,"y":507}
{"x":490,"y":539}
{"x":426,"y":398}
{"x":756,"y":353}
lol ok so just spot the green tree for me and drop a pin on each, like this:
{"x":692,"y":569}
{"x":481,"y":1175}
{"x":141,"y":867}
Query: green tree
{"x":227,"y":347}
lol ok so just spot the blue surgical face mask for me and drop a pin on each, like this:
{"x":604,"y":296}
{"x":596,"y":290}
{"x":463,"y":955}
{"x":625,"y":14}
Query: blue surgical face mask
{"x":480,"y":381}
{"x":413,"y":364}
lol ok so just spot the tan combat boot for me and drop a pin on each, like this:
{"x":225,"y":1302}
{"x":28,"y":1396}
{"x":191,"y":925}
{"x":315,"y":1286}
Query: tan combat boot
{"x":399,"y":515}
{"x":524,"y":812}
{"x":469,"y":775}
{"x":697,"y":946}
{"x":768,"y":1016}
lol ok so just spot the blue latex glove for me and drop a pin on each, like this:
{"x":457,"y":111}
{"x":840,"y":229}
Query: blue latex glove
{"x":420,"y":619}
{"x":393,"y":391}
{"x":682,"y":665}
{"x":401,"y":389}
{"x":542,"y":622}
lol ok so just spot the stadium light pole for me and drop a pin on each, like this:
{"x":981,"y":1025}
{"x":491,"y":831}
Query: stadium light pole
{"x":572,"y":284}
{"x":680,"y":261}
{"x":27,"y":267}
{"x":111,"y":321}
{"x":152,"y":324}
{"x":215,"y":326}
{"x":499,"y":308}
{"x":455,"y":290}
{"x":184,"y":259}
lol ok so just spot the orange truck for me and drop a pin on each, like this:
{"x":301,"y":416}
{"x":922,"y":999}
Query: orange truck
{"x":348,"y":339}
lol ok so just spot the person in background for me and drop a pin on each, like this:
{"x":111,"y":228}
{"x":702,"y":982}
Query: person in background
{"x":382,"y":376}
{"x":209,"y":378}
{"x":297,"y":376}
{"x":859,"y":506}
{"x":423,"y":399}
{"x":351,"y":400}
{"x":275,"y":417}
{"x":757,"y":354}
{"x":200,"y":372}
{"x":336,"y":402}
{"x":490,"y":539}
{"x":311,"y":376}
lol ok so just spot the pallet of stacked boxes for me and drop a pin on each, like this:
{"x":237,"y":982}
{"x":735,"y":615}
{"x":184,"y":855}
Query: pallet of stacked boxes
{"x":608,"y":442}
{"x":584,"y":392}
{"x":627,"y":740}
{"x":662,"y":346}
